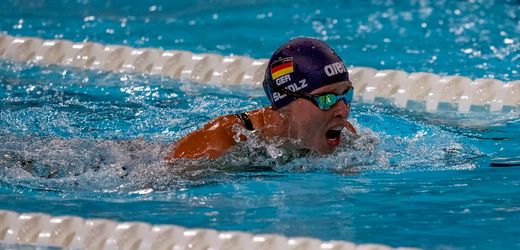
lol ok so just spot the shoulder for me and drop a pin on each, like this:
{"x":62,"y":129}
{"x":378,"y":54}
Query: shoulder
{"x":211,"y":141}
{"x":222,"y":123}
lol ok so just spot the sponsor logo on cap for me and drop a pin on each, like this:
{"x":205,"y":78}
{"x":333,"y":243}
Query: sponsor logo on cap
{"x":282,"y":67}
{"x":334,"y":69}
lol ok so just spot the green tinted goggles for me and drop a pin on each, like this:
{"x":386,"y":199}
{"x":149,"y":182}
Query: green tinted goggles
{"x":326,"y":101}
{"x":322,"y":101}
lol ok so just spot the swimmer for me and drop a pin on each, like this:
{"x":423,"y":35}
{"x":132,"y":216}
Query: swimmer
{"x":310,"y":93}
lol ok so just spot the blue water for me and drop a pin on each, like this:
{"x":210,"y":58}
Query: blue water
{"x":473,"y":38}
{"x":75,"y":142}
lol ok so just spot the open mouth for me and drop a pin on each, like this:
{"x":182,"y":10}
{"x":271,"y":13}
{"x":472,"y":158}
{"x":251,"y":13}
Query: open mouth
{"x":333,"y":136}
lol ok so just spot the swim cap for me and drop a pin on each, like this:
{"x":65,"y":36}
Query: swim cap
{"x":302,"y":65}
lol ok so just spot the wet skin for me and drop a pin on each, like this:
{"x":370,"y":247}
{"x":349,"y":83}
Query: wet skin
{"x":310,"y":124}
{"x":300,"y":120}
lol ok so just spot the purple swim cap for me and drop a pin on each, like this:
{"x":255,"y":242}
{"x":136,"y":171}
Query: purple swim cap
{"x":302,"y":65}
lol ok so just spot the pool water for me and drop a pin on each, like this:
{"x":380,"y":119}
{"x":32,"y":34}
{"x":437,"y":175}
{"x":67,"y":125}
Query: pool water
{"x":91,"y":144}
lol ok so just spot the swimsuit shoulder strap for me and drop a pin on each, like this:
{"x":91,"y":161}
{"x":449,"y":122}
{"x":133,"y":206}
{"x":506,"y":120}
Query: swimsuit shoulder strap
{"x":245,"y":119}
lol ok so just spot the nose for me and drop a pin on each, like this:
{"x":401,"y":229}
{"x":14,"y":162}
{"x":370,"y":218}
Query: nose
{"x":341,"y":109}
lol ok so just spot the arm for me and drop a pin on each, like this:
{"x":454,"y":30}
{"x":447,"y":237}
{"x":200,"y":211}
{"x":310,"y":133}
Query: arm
{"x":210,"y":141}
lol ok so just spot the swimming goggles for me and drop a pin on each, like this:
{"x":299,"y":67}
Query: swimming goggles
{"x":323,"y":101}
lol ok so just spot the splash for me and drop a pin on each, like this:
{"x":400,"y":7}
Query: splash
{"x":78,"y":165}
{"x":355,"y":150}
{"x":137,"y":166}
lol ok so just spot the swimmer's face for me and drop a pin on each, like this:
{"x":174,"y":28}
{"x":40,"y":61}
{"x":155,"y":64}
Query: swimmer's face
{"x":318,"y":129}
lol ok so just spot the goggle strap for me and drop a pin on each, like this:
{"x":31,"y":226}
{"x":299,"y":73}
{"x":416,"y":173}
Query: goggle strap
{"x":312,"y":98}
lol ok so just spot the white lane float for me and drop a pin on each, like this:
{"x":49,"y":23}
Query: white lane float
{"x":76,"y":233}
{"x":399,"y":87}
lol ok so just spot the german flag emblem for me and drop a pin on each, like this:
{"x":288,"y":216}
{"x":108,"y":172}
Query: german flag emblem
{"x":282,"y":67}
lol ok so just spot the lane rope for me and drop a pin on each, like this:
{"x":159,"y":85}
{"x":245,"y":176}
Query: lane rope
{"x":401,"y":88}
{"x":77,"y":233}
